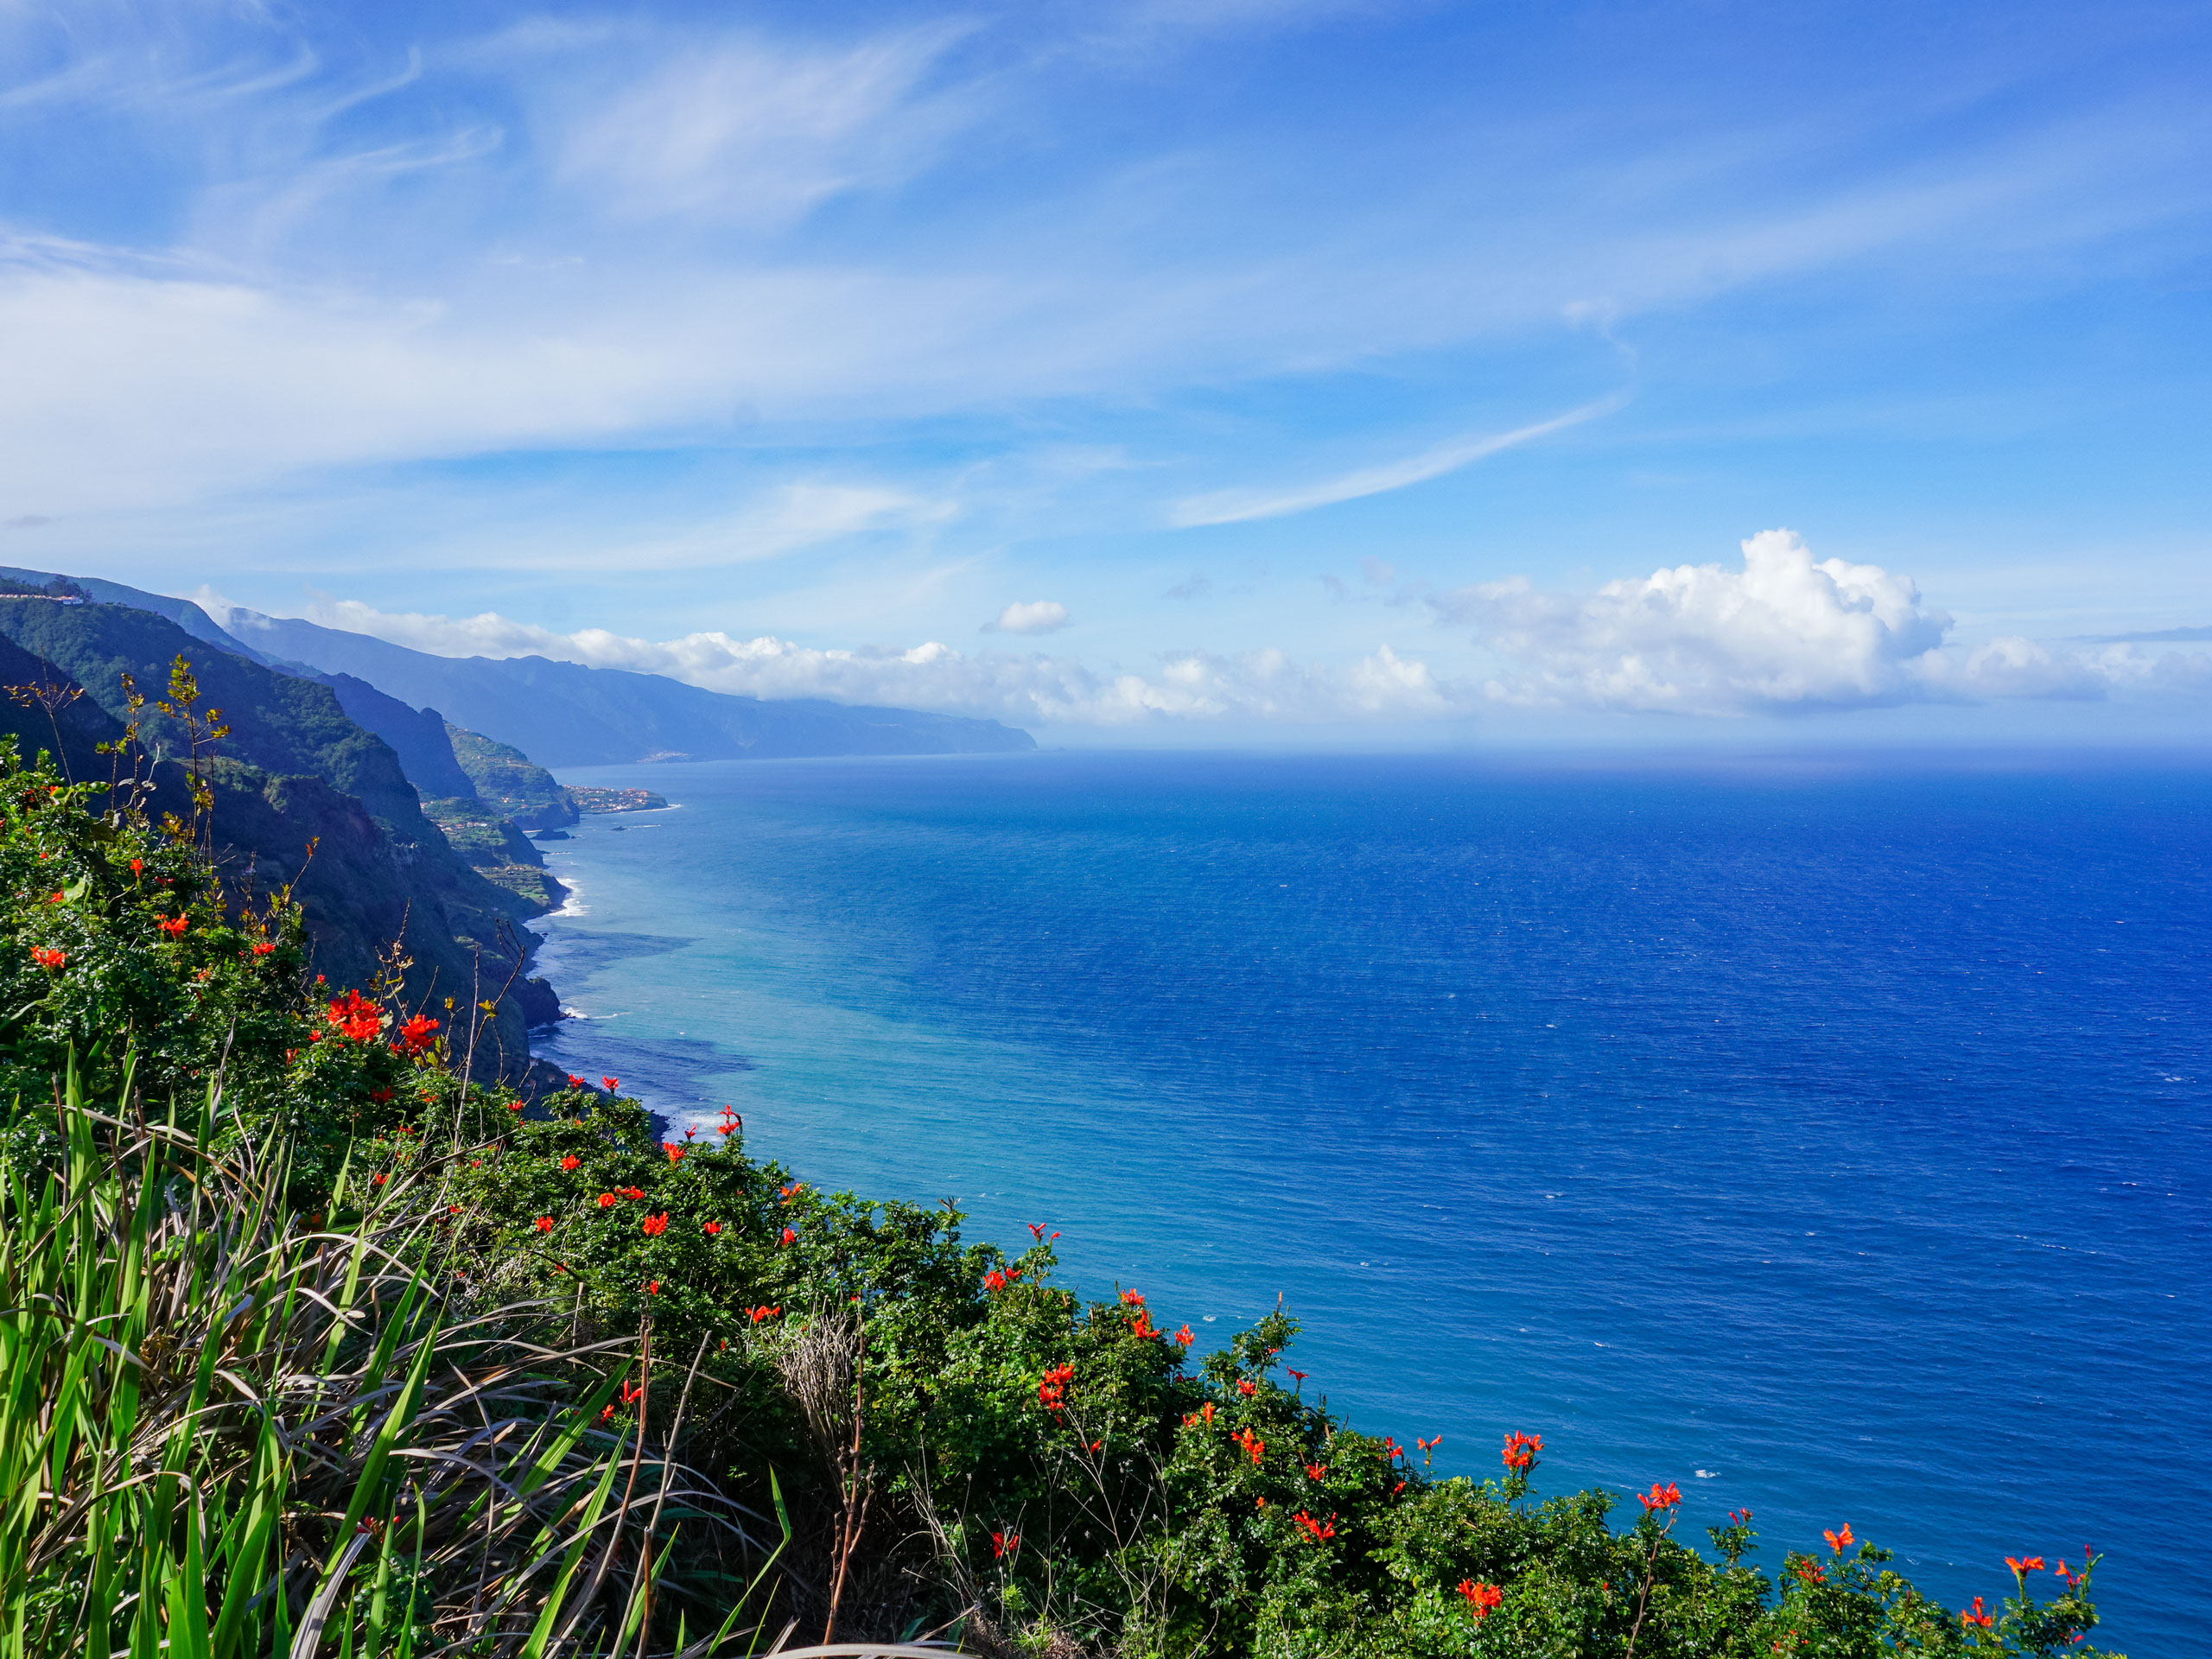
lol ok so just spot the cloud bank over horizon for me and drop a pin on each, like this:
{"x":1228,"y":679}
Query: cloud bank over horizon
{"x":1784,"y":633}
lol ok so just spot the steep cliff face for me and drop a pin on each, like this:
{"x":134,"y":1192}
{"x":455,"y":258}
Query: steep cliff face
{"x":376,"y":879}
{"x":510,"y":780}
{"x":417,"y":736}
{"x":278,"y":721}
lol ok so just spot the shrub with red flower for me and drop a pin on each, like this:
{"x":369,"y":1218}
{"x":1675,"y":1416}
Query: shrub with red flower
{"x":417,"y":1035}
{"x":1480,"y":1596}
{"x":656,"y":1225}
{"x":49,"y":959}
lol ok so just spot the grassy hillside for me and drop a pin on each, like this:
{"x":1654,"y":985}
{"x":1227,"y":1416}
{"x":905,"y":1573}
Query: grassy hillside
{"x":309,"y":1347}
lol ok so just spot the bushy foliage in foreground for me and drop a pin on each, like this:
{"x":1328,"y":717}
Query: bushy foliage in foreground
{"x":355,"y":1357}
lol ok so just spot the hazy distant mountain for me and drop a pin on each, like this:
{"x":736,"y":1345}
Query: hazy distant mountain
{"x":566,"y":715}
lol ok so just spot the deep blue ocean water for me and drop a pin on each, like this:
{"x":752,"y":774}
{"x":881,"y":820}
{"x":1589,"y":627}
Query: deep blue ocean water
{"x":1834,"y":1138}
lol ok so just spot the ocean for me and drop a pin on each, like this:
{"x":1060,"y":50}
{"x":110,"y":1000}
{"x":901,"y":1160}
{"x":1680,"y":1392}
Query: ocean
{"x":1831,"y":1135}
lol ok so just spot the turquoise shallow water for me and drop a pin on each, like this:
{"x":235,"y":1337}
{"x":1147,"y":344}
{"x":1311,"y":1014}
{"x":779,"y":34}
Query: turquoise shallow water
{"x":1831,"y":1139}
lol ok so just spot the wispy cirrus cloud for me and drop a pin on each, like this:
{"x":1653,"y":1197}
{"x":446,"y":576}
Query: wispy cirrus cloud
{"x":1239,"y":506}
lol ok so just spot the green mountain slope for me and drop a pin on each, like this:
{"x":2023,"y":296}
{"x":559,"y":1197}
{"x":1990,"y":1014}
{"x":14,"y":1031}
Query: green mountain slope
{"x":382,"y":873}
{"x":510,"y":780}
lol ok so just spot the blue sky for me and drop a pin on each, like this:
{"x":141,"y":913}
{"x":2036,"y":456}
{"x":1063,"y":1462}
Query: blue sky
{"x":1150,"y":372}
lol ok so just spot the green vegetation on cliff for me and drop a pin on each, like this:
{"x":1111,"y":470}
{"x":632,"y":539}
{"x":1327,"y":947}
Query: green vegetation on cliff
{"x":308,"y":1346}
{"x":510,"y":780}
{"x":305,"y":796}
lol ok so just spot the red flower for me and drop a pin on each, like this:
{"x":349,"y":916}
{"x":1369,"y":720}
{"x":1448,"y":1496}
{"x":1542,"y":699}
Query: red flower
{"x":606,"y":1200}
{"x":415,"y":1035}
{"x":674,"y":1151}
{"x":761,"y":1314}
{"x":1317,"y":1530}
{"x":2033,"y":1564}
{"x":1003,"y":1544}
{"x":629,"y":1395}
{"x":262,"y":948}
{"x":1520,"y":1453}
{"x":382,"y":1097}
{"x":712,"y":1228}
{"x":575,"y":1081}
{"x":571,"y":1161}
{"x":545,"y":1223}
{"x":789,"y":1237}
{"x":1840,"y":1541}
{"x":1132,"y":1299}
{"x":137,"y":865}
{"x":1976,"y":1617}
{"x":1254,"y":1448}
{"x":613,"y":1084}
{"x":1246,"y":1386}
{"x":1480,"y":1596}
{"x":378,"y":1180}
{"x":514,"y":1105}
{"x":172,"y":925}
{"x":58,"y":899}
{"x":1811,"y":1572}
{"x":1315,"y":1470}
{"x":1300,"y":1376}
{"x":355,"y":1016}
{"x":652,"y":1287}
{"x":995,"y":1279}
{"x":1184,"y":1338}
{"x":1206,"y":1412}
{"x":1051,"y":1390}
{"x":656,"y":1225}
{"x":785,"y":1194}
{"x":1659,"y":1498}
{"x":46,"y":958}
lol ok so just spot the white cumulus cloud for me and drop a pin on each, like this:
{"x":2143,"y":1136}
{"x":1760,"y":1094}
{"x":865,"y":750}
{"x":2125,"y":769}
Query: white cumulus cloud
{"x":1784,"y":633}
{"x":1033,"y":689}
{"x":1029,"y":616}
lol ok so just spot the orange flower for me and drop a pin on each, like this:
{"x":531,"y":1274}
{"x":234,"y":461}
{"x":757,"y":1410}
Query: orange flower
{"x":545,"y":1223}
{"x":378,"y":1180}
{"x":262,"y":948}
{"x":571,"y":1161}
{"x":1520,"y":1453}
{"x":1316,"y":1529}
{"x":1004,"y":1544}
{"x":606,"y":1200}
{"x":672,"y":1149}
{"x":172,"y":925}
{"x":1840,"y":1541}
{"x":1659,"y":1498}
{"x":1811,"y":1572}
{"x":1184,"y":1338}
{"x":712,"y":1228}
{"x":415,"y":1035}
{"x":1246,"y":1386}
{"x":1480,"y":1596}
{"x":1976,"y":1617}
{"x":1254,"y":1448}
{"x":761,"y":1314}
{"x":656,"y":1225}
{"x":1051,"y":1388}
{"x":2033,"y":1564}
{"x":1315,"y":1470}
{"x":46,"y":958}
{"x":789,"y":1237}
